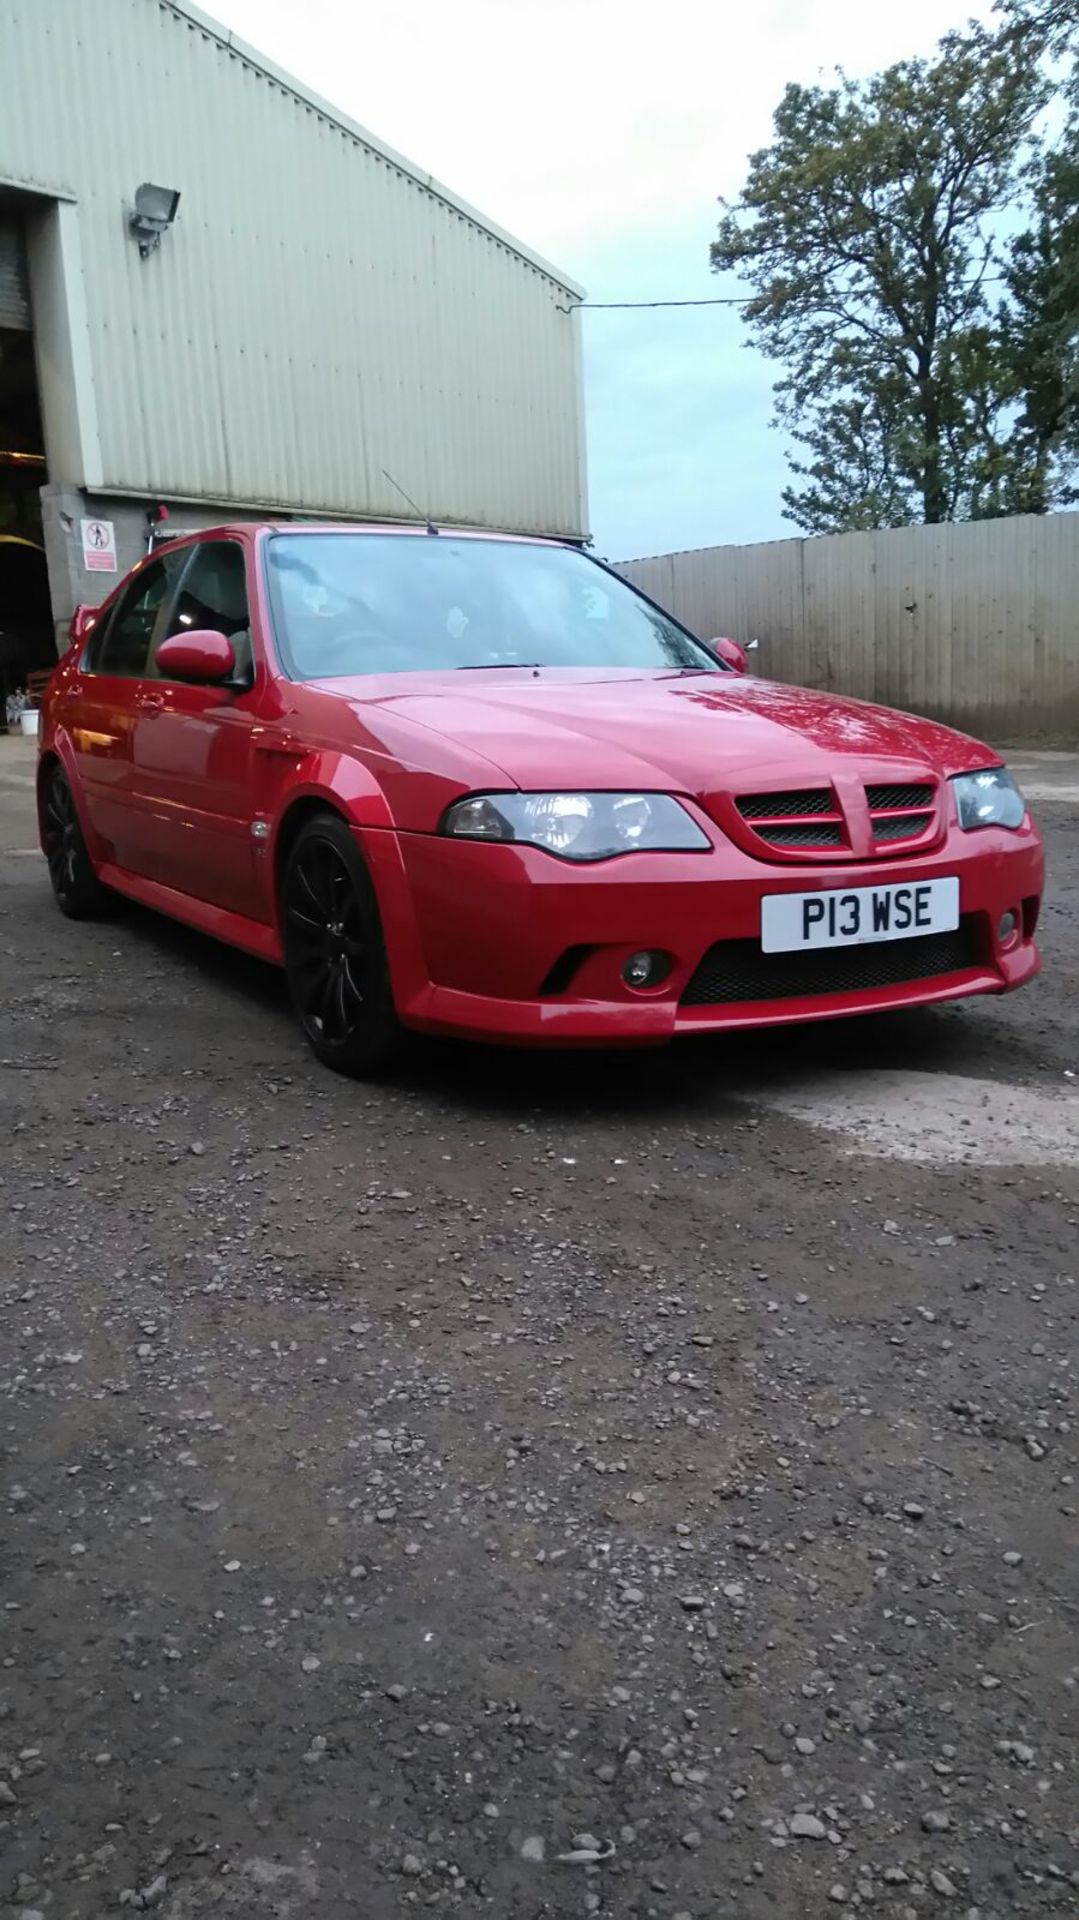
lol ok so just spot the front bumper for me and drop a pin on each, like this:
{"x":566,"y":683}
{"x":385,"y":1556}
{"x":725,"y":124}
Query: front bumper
{"x":505,"y":943}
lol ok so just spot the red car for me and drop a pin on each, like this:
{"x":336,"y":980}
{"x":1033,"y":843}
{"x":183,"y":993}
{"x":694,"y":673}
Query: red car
{"x":480,"y":786}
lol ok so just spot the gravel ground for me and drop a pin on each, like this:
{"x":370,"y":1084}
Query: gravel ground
{"x":539,"y":1486}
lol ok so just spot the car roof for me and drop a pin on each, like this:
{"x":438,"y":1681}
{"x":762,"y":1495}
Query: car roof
{"x":409,"y":531}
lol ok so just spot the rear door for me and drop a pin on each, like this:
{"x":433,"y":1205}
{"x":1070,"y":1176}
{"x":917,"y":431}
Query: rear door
{"x":192,"y":747}
{"x":99,"y":712}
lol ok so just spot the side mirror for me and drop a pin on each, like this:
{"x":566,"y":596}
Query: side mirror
{"x":203,"y":656}
{"x":82,"y":621}
{"x":731,"y":653}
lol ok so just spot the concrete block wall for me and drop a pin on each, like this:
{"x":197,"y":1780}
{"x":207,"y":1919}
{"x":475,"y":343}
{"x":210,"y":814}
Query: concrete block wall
{"x":62,"y":511}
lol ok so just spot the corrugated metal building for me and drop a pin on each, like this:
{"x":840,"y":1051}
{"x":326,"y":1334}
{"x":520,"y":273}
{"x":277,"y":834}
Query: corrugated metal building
{"x":318,"y":311}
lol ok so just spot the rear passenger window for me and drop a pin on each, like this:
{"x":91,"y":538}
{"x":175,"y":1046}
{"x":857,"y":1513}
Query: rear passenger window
{"x":122,"y":645}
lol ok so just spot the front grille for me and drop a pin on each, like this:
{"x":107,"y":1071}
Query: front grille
{"x":891,"y":799}
{"x":786,"y":806}
{"x":901,"y":826}
{"x":822,"y":835}
{"x":737,"y":970}
{"x":901,"y":812}
{"x":776,"y":818}
{"x":807,"y":819}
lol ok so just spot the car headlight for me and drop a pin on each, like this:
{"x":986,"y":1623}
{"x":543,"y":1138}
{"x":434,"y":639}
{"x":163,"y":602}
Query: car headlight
{"x":579,"y":826}
{"x":989,"y":799}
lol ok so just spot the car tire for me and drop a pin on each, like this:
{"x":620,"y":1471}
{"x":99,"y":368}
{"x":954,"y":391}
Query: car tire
{"x":335,"y":956}
{"x":78,"y":891}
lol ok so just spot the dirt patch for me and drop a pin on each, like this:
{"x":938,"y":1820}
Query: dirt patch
{"x":940,"y":1118}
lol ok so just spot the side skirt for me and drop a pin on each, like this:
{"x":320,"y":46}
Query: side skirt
{"x":251,"y":936}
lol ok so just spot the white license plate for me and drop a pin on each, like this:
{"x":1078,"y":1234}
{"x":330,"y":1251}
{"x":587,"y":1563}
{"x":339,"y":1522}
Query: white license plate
{"x":857,"y":915}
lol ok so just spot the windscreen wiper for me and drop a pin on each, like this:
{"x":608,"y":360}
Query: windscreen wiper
{"x":495,"y":666}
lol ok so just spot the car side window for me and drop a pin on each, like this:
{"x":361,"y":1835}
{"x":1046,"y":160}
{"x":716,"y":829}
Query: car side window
{"x":121,"y":645}
{"x":213,"y":593}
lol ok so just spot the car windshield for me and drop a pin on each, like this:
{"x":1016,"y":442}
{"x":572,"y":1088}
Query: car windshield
{"x":359,"y":603}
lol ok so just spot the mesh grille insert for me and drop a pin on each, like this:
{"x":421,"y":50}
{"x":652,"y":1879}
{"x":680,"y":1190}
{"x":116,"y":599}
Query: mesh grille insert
{"x":880,"y":799}
{"x":902,"y":826}
{"x":737,"y":970}
{"x":824,"y":835}
{"x":786,"y":806}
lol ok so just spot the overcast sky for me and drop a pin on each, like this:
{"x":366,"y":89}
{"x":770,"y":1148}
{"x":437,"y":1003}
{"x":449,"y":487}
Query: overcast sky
{"x":602,"y":132}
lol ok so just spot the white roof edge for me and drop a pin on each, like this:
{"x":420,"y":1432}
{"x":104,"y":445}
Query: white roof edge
{"x":186,"y":11}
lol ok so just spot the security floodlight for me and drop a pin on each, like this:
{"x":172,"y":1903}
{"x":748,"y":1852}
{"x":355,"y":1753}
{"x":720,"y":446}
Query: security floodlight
{"x":155,"y":211}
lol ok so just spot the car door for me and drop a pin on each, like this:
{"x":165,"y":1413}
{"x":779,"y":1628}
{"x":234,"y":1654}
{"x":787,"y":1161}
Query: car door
{"x":99,"y":712}
{"x":192,"y":747}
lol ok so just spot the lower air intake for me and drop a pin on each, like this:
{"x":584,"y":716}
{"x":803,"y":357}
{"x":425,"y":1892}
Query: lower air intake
{"x":560,"y":976}
{"x":737,"y":970}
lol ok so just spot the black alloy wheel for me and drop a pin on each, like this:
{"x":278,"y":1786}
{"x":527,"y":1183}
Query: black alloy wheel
{"x":79,"y":892}
{"x":335,"y":957}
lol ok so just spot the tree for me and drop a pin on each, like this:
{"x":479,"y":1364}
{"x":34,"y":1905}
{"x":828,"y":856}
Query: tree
{"x":853,"y":478}
{"x":1052,"y":26}
{"x":1039,"y":337}
{"x":1040,"y":323}
{"x":867,"y":231}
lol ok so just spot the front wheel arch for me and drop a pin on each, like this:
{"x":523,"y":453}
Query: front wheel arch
{"x":290,"y":826}
{"x":370,"y":1033}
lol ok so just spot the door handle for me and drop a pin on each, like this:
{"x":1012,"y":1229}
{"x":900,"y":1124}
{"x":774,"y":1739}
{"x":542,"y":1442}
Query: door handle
{"x":152,"y":703}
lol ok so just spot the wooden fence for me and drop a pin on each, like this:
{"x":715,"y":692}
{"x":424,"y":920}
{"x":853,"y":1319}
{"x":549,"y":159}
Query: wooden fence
{"x":976,"y":624}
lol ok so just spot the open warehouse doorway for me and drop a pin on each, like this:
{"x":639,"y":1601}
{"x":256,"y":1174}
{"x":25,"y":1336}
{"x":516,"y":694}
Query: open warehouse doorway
{"x":26,"y":628}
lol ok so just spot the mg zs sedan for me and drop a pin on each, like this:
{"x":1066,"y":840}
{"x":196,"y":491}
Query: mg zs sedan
{"x":480,"y":786}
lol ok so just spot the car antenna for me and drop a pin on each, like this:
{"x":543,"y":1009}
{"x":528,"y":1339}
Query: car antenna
{"x":431,"y":528}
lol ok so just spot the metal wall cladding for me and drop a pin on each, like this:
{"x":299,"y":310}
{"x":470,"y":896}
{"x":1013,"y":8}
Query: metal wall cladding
{"x":976,"y":624}
{"x":317,"y":313}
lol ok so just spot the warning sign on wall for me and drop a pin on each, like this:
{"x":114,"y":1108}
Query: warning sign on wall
{"x":99,"y":546}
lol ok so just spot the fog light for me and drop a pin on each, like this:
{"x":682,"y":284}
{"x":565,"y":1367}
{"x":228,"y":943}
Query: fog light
{"x":1006,"y":928}
{"x":645,"y":969}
